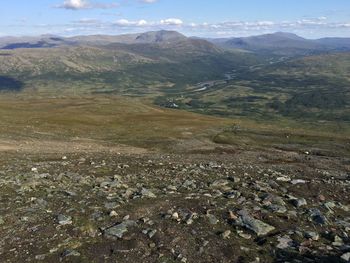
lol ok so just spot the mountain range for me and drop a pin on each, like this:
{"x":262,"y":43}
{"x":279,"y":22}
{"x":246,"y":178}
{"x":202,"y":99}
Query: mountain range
{"x":282,"y":43}
{"x":155,"y":37}
{"x":117,"y":63}
{"x":260,"y":76}
{"x":279,"y":43}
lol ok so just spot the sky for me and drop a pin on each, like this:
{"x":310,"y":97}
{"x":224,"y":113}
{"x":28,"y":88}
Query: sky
{"x":204,"y":18}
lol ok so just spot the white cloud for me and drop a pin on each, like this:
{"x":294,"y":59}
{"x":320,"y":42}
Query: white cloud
{"x":142,"y":23}
{"x":84,"y":4}
{"x":229,"y":28}
{"x":310,"y":27}
{"x":75,"y":4}
{"x":346,"y":25}
{"x":148,"y":1}
{"x":171,"y":22}
{"x":87,"y":21}
{"x":127,"y":23}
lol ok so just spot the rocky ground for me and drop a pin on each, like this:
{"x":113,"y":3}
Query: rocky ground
{"x":153,"y":207}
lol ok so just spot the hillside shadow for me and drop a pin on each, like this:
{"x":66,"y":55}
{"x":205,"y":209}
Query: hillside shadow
{"x":10,"y":84}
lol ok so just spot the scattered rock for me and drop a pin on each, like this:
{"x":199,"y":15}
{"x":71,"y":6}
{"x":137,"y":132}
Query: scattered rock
{"x":322,"y":198}
{"x":119,"y":230}
{"x":64,"y":220}
{"x":116,"y":231}
{"x":338,"y":241}
{"x":317,"y":216}
{"x":190,"y":210}
{"x":277,"y":208}
{"x":257,"y":226}
{"x":299,"y":202}
{"x":346,"y":257}
{"x":113,"y":214}
{"x":212,"y":219}
{"x":147,"y":193}
{"x":283,"y":179}
{"x":298,"y":181}
{"x":219,"y":183}
{"x":150,"y":232}
{"x":40,"y":257}
{"x":70,"y":253}
{"x":226,"y":234}
{"x":312,"y":235}
{"x":175,"y":216}
{"x":284,"y":242}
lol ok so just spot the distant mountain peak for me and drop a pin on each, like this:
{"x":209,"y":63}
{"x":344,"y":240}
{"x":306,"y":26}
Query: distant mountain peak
{"x":288,"y":35}
{"x":160,"y":37}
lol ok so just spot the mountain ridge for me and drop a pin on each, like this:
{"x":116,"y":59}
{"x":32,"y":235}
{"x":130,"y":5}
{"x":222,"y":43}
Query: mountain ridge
{"x":283,"y":43}
{"x":279,"y":42}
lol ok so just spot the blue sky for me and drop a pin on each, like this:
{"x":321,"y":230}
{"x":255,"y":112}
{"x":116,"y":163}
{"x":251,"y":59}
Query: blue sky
{"x":209,"y":18}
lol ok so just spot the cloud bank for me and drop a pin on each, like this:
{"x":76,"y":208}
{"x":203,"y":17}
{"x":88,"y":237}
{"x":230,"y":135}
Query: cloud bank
{"x":84,"y":4}
{"x":311,"y":27}
{"x":228,"y":28}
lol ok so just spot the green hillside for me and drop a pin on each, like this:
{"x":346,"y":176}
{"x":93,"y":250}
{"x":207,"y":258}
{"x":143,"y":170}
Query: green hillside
{"x":185,"y":73}
{"x":120,"y":68}
{"x":311,"y":88}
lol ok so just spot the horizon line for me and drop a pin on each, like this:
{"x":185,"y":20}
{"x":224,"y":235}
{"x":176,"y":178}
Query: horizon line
{"x":167,"y":30}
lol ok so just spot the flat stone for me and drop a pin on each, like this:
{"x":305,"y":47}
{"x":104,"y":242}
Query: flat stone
{"x":189,"y":184}
{"x":151,"y":233}
{"x":299,"y":202}
{"x":232,"y":194}
{"x":298,"y":181}
{"x":273,"y":199}
{"x":330,"y":206}
{"x":284,"y":242}
{"x":322,"y":198}
{"x":226,"y":234}
{"x":346,"y":257}
{"x":312,"y":235}
{"x":40,"y":257}
{"x":260,"y":228}
{"x":119,"y":230}
{"x":219,"y":183}
{"x":129,"y":223}
{"x":234,"y":179}
{"x":70,"y":193}
{"x":70,"y":253}
{"x":212,"y":219}
{"x":172,"y":188}
{"x":116,"y":231}
{"x":147,"y":193}
{"x":283,"y":179}
{"x":175,"y":215}
{"x":244,"y":235}
{"x":338,"y":241}
{"x":111,"y":205}
{"x":280,"y":209}
{"x":64,"y":220}
{"x":105,"y":184}
{"x":317,"y":216}
{"x":113,"y":214}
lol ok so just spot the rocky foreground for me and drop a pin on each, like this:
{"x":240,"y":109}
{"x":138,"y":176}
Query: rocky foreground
{"x":218,"y":207}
